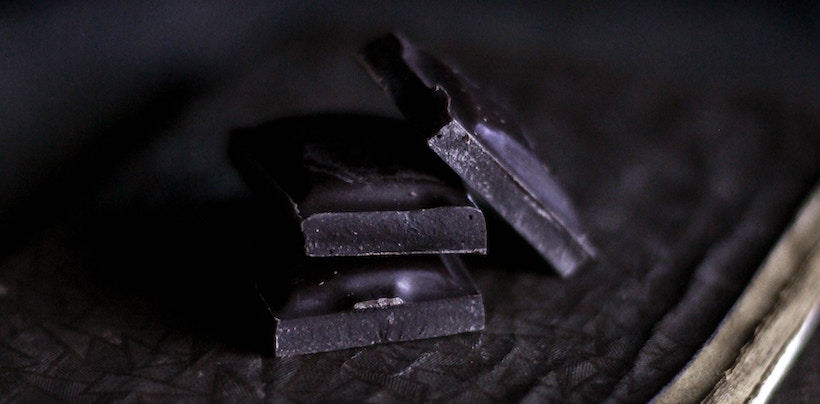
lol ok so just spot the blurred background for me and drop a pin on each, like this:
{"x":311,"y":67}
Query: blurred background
{"x":126,"y":107}
{"x":89,"y":87}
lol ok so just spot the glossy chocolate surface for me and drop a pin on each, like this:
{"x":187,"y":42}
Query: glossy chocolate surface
{"x":360,"y":185}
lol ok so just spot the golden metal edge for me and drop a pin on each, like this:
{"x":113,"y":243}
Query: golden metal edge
{"x":763,"y":361}
{"x":722,"y":363}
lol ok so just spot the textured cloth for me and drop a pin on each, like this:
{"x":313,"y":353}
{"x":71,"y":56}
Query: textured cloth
{"x":142,"y":287}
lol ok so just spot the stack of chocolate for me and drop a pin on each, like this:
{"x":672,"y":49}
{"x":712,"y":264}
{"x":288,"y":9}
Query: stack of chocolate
{"x":384,"y":207}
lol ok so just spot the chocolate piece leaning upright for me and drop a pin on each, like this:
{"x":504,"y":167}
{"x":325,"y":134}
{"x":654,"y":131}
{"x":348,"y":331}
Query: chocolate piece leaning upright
{"x":480,"y":141}
{"x":359,"y":185}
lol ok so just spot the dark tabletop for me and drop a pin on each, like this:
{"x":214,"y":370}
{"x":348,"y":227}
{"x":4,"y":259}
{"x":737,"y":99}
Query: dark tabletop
{"x":686,"y":135}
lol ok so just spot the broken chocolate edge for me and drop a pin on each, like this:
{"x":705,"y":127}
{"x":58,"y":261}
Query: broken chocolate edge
{"x":458,"y":230}
{"x":377,"y":325}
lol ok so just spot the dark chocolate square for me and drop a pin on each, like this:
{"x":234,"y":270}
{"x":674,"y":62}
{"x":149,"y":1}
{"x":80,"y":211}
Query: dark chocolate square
{"x":359,"y":185}
{"x":336,"y":303}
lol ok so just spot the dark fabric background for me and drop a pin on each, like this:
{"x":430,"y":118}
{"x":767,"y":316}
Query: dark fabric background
{"x":686,"y":133}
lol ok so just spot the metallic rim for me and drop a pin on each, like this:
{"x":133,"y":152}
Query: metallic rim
{"x":753,"y":347}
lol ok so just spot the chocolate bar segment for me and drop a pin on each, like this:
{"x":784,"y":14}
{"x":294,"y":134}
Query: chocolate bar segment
{"x":481,"y":142}
{"x":359,"y":185}
{"x":345,"y":302}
